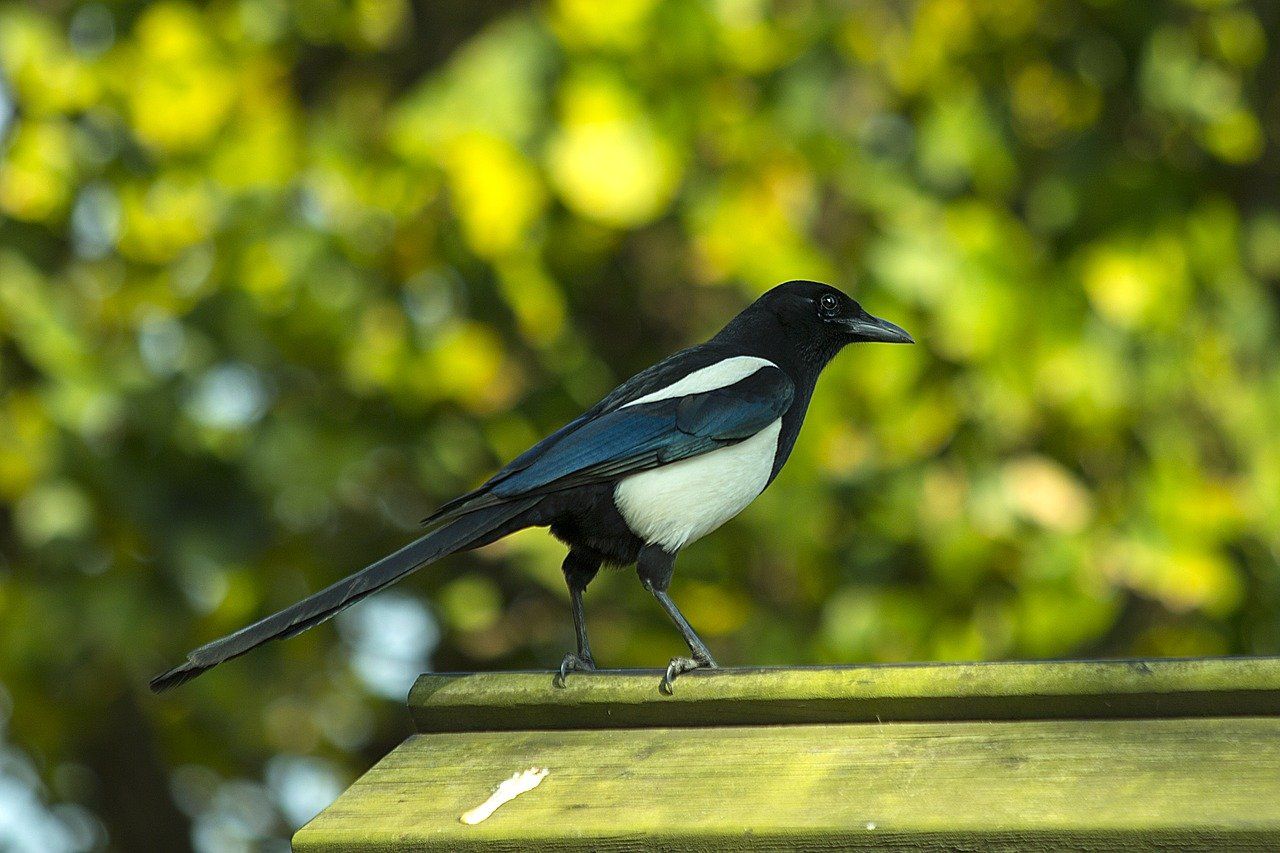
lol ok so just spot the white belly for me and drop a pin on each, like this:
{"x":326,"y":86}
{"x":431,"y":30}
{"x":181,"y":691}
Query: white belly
{"x":678,"y":503}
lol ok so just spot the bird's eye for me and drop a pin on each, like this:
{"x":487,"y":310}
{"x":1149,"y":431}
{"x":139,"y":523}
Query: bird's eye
{"x":828,"y":303}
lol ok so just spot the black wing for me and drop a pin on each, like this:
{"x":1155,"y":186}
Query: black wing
{"x":636,"y":437}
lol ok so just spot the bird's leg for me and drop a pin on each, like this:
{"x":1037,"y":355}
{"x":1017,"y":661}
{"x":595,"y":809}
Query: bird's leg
{"x":579,"y":568}
{"x":655,"y":568}
{"x":701,"y":655}
{"x":582,"y":661}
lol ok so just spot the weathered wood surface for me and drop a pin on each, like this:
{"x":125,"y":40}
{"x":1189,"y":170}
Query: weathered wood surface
{"x":1122,"y":755}
{"x":979,"y":691}
{"x":1211,"y":784}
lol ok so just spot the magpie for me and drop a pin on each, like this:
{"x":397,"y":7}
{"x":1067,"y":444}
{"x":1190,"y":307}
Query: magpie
{"x":664,"y":459}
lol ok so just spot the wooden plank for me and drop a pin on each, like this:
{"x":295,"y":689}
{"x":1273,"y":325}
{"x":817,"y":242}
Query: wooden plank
{"x":1189,"y":784}
{"x":985,"y":691}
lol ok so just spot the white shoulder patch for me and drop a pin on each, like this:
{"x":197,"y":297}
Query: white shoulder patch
{"x":717,"y":375}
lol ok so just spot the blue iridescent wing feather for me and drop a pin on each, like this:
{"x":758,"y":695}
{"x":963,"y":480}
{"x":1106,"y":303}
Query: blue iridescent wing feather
{"x":603,"y":446}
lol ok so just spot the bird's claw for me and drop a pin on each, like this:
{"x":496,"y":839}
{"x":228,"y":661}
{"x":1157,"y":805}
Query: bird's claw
{"x":573,"y":663}
{"x":682,"y":665}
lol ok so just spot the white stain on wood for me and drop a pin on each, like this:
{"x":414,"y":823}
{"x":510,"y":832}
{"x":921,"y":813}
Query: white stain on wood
{"x":506,"y":791}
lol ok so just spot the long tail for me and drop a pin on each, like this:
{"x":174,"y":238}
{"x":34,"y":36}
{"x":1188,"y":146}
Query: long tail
{"x":469,"y":531}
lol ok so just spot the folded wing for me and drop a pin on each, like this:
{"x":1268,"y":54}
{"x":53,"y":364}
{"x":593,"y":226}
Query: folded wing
{"x":637,"y":437}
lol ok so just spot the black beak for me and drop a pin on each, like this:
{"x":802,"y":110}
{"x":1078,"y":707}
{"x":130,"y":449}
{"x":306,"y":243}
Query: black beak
{"x":873,"y":329}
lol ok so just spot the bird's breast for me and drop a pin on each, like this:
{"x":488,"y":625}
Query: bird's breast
{"x":679,"y":503}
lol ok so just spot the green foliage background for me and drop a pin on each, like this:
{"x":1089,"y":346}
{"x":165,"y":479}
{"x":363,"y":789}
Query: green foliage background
{"x":277,"y":278}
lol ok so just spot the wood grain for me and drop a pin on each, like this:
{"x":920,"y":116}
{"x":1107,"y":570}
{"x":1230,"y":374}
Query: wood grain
{"x":1153,"y":689}
{"x":1189,"y":784}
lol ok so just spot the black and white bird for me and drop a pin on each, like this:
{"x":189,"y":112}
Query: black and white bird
{"x":667,"y":457}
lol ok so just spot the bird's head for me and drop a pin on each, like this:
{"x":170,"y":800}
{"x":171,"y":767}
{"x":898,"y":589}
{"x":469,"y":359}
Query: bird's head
{"x":821,"y":319}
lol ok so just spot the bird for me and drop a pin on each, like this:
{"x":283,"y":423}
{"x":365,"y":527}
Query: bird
{"x":665,"y":458}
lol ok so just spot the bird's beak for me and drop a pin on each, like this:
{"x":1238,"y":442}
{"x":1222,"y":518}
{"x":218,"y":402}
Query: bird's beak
{"x":873,"y":329}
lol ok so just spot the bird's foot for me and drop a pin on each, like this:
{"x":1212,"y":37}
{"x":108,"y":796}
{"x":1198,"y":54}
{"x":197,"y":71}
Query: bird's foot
{"x":573,"y":663}
{"x":681,"y":665}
